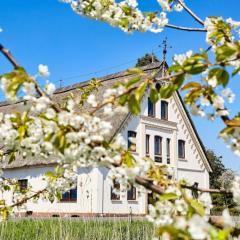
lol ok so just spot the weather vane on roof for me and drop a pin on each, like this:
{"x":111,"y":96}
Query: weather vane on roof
{"x":165,"y":46}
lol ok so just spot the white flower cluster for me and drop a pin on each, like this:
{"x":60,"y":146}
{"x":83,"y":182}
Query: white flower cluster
{"x":180,"y":58}
{"x":126,"y":175}
{"x":124,"y":14}
{"x":232,"y":139}
{"x":173,"y":214}
{"x":218,"y":103}
{"x":166,"y":6}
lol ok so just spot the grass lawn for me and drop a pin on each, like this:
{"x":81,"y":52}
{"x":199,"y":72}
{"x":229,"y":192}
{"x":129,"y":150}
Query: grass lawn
{"x":55,"y":229}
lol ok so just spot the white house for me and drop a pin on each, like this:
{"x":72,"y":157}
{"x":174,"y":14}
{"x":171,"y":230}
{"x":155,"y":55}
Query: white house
{"x":164,"y":131}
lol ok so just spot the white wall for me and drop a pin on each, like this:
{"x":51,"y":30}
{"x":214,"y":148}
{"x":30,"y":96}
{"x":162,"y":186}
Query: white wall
{"x":94,"y":187}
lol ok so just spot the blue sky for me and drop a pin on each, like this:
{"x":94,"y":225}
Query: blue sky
{"x":77,"y":48}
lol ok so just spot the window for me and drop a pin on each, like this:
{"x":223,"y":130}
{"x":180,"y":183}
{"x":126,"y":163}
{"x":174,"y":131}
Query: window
{"x":131,"y":193}
{"x":147,"y":144}
{"x":70,"y":196}
{"x":168,"y":150}
{"x":23,"y":184}
{"x":115,"y":191}
{"x":132,"y":141}
{"x":158,"y":148}
{"x":164,"y":110}
{"x":151,"y":108}
{"x":181,"y":148}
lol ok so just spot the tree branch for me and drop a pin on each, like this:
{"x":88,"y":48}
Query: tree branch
{"x":198,"y":19}
{"x":13,"y":61}
{"x":206,"y":190}
{"x":186,"y":28}
{"x":24,"y":200}
{"x":148,"y":185}
{"x":157,"y":189}
{"x":9,"y":56}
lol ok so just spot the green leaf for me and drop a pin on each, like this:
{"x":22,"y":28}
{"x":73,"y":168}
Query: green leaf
{"x":236,"y":71}
{"x":168,"y":196}
{"x":195,"y":68}
{"x":167,"y":91}
{"x":21,"y":131}
{"x":128,"y":160}
{"x":134,"y":105}
{"x":123,"y":99}
{"x":178,"y":81}
{"x":225,"y":52}
{"x":198,"y":207}
{"x":175,"y":68}
{"x":191,"y":85}
{"x":140,"y":91}
{"x":132,"y":81}
{"x":221,"y":74}
{"x":154,"y":96}
{"x":50,"y":175}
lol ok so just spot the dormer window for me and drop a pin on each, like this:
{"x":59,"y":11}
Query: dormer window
{"x":164,"y":110}
{"x":151,"y":108}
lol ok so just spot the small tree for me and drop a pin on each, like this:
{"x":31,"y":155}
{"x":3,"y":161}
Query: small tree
{"x":146,"y":59}
{"x":217,"y":169}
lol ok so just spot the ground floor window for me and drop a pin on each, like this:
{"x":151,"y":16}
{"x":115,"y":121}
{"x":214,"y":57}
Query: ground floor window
{"x":23,"y":184}
{"x":70,"y":196}
{"x":132,"y":193}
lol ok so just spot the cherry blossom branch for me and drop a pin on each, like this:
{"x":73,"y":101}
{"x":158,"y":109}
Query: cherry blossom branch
{"x":13,"y":61}
{"x":186,"y":28}
{"x":9,"y":56}
{"x":206,"y":190}
{"x":198,"y":19}
{"x":157,"y":189}
{"x":24,"y":200}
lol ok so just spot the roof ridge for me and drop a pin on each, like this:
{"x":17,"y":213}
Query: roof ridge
{"x":84,"y":83}
{"x":107,"y":77}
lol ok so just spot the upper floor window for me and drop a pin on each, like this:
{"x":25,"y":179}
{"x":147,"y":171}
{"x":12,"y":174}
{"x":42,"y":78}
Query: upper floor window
{"x":131,"y":193}
{"x":168,"y":150}
{"x":115,"y":189}
{"x":132,"y":141}
{"x":70,"y":196}
{"x":147,"y":144}
{"x":181,"y":149}
{"x":164,"y":110}
{"x":23,"y":184}
{"x":151,"y":108}
{"x":158,"y":149}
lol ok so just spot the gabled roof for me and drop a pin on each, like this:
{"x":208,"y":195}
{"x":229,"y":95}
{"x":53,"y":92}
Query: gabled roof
{"x":60,"y":94}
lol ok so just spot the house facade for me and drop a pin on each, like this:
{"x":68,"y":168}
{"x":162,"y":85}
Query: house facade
{"x":163,"y":132}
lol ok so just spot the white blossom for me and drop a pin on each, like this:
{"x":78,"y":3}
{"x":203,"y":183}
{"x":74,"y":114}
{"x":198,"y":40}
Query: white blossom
{"x":50,"y":88}
{"x":218,"y":102}
{"x":43,"y":70}
{"x":198,"y":227}
{"x":92,"y":100}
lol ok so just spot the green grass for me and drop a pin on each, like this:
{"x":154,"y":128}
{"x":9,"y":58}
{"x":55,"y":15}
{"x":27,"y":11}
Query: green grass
{"x":58,"y":229}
